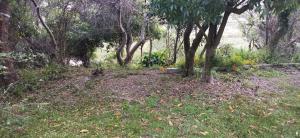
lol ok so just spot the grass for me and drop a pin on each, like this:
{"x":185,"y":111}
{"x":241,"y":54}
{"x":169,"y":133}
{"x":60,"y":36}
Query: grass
{"x":192,"y":116}
{"x":269,"y":115}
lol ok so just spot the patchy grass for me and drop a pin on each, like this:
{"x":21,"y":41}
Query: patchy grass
{"x":192,"y":116}
{"x":269,"y":73}
{"x":96,"y":112}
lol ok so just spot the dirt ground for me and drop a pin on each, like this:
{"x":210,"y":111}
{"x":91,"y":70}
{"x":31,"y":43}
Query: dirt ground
{"x":136,"y":85}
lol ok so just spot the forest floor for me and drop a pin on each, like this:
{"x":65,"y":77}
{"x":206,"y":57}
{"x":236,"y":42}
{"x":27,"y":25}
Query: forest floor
{"x":151,"y":103}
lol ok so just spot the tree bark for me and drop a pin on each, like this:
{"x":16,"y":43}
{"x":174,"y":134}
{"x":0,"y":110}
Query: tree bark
{"x":191,"y":50}
{"x":214,"y":38}
{"x":209,"y":57}
{"x":176,"y":45}
{"x":126,"y":41}
{"x":53,"y":40}
{"x":11,"y":75}
{"x":283,"y":19}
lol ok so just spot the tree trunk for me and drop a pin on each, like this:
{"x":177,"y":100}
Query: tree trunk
{"x":283,"y":20}
{"x":214,"y":38}
{"x":53,"y":40}
{"x":191,"y":50}
{"x":123,"y":41}
{"x":186,"y":39}
{"x":11,"y":75}
{"x":189,"y":63}
{"x":142,"y":47}
{"x":176,"y":46}
{"x":150,"y":53}
{"x":209,"y":57}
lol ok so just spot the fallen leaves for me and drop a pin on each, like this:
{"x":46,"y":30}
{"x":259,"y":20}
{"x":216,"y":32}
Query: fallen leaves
{"x":118,"y":114}
{"x":231,"y":109}
{"x":179,"y":105}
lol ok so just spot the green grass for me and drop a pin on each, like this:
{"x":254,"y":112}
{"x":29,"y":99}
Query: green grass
{"x":193,"y":116}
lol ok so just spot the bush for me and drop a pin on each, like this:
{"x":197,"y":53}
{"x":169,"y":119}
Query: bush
{"x":157,"y":58}
{"x":232,"y":59}
{"x":296,"y":58}
{"x":31,"y":80}
{"x":53,"y":72}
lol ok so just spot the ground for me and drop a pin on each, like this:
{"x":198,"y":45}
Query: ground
{"x":152,"y":103}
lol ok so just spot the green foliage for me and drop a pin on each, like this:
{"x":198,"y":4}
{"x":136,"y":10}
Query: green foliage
{"x":53,"y":72}
{"x":23,"y":60}
{"x":22,"y":20}
{"x":296,"y":58}
{"x":179,"y":12}
{"x":231,"y":58}
{"x":157,"y":58}
{"x":31,"y":80}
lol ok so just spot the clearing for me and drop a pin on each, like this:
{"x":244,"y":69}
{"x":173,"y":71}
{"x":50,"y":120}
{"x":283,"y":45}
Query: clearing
{"x":150,"y":103}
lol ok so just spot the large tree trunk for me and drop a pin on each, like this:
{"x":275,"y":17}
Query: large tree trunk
{"x":209,"y":57}
{"x":11,"y":75}
{"x":53,"y":40}
{"x":214,"y":38}
{"x":189,"y":63}
{"x":191,"y":50}
{"x":188,"y":70}
{"x":283,"y":20}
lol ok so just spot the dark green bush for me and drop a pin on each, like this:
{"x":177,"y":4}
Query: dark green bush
{"x":157,"y":58}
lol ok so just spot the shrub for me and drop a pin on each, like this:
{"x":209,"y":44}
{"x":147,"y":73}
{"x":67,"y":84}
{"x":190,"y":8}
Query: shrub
{"x":53,"y":72}
{"x":232,"y":58}
{"x":296,"y":58}
{"x":157,"y":58}
{"x":31,"y":80}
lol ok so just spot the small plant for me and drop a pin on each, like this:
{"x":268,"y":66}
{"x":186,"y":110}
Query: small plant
{"x":53,"y":72}
{"x":296,"y":58}
{"x":29,"y":81}
{"x":157,"y":58}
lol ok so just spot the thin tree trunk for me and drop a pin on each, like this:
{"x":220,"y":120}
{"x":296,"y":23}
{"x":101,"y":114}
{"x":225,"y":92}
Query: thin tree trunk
{"x":123,"y":41}
{"x":142,"y":52}
{"x":150,"y":52}
{"x":47,"y":29}
{"x":141,"y":43}
{"x":11,"y":75}
{"x":176,"y":45}
{"x":151,"y":46}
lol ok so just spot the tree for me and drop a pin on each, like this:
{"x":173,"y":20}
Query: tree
{"x":53,"y":40}
{"x":209,"y":15}
{"x":285,"y":27}
{"x":187,"y":15}
{"x":5,"y":13}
